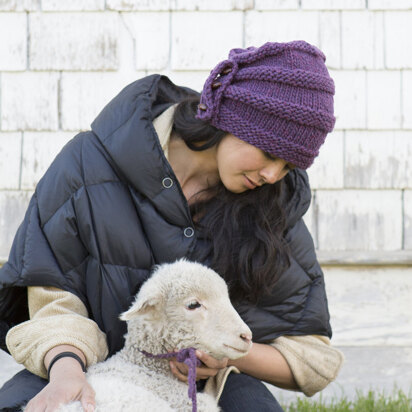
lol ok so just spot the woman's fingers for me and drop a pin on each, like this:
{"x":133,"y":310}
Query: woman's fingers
{"x":88,"y":399}
{"x":176,"y":372}
{"x":209,"y":368}
{"x":66,"y":386}
{"x":210,"y":361}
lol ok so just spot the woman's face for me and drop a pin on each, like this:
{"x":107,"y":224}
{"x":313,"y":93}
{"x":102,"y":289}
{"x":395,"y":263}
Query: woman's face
{"x":242,"y":166}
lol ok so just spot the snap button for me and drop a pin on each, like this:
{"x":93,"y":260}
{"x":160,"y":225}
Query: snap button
{"x":167,"y":182}
{"x":202,"y":106}
{"x":215,"y":85}
{"x":189,"y":232}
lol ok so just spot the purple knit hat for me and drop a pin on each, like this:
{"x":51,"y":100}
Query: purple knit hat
{"x":278,"y":97}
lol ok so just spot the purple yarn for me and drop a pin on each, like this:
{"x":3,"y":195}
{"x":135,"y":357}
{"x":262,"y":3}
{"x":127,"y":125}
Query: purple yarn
{"x":187,"y":356}
{"x":278,"y":97}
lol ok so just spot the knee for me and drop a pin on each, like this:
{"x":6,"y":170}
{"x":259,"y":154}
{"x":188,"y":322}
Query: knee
{"x":246,"y":393}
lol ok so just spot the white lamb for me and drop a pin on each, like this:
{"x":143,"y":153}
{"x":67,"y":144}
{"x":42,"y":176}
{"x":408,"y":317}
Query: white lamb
{"x":182,"y":305}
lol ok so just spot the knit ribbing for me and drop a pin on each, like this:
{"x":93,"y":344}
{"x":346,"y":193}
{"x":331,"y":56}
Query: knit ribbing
{"x":278,"y":97}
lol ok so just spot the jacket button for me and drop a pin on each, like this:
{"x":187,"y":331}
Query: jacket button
{"x":215,"y":85}
{"x":189,"y":232}
{"x":227,"y":71}
{"x":167,"y":182}
{"x":202,"y":106}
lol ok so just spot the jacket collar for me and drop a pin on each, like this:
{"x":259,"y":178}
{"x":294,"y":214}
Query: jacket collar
{"x":125,"y":129}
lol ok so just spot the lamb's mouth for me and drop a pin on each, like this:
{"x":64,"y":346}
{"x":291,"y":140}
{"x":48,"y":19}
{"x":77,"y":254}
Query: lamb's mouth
{"x":236,"y":349}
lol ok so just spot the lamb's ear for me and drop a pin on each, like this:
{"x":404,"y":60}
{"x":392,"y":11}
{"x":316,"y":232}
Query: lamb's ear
{"x":145,"y":304}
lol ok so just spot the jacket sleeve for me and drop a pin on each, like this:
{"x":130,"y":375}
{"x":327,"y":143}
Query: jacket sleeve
{"x":311,"y":292}
{"x":313,"y":361}
{"x":56,"y":317}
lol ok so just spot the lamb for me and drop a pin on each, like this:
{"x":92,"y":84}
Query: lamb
{"x":182,"y":305}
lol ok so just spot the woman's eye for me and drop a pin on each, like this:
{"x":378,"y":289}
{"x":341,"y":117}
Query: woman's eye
{"x":270,"y":156}
{"x":193,"y":305}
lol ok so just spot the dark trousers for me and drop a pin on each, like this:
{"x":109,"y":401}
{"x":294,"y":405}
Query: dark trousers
{"x":245,"y":393}
{"x":242,"y":393}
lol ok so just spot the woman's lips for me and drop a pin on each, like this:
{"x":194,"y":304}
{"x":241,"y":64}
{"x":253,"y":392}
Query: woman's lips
{"x":249,"y":183}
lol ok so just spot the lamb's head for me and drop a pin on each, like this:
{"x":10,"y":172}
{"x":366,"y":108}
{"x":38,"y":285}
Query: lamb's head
{"x":187,"y":304}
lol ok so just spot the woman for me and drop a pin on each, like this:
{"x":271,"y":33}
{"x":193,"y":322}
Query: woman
{"x":161,"y":176}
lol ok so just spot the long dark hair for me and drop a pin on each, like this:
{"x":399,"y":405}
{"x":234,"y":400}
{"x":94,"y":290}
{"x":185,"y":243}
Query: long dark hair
{"x":245,"y":230}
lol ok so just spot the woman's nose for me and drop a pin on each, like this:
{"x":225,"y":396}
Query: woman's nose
{"x":273,"y":172}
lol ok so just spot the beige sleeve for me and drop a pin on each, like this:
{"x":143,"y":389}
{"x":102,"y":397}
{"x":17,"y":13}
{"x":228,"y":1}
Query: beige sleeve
{"x":312,"y":359}
{"x":57,"y":317}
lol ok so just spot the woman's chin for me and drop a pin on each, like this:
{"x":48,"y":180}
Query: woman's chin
{"x":235,"y":188}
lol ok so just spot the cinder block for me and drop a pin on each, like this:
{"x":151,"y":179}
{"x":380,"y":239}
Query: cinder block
{"x":126,"y":50}
{"x":139,"y":5}
{"x":362,"y":40}
{"x":310,"y":219}
{"x":370,"y":306}
{"x":281,"y":26}
{"x":193,"y":5}
{"x":407,"y":207}
{"x":378,"y":160}
{"x":29,"y":101}
{"x":10,"y":155}
{"x":359,"y":219}
{"x":384,"y":100}
{"x":83,"y":96}
{"x":276,"y":4}
{"x":39,"y":150}
{"x":193,"y":79}
{"x":13,"y":44}
{"x":74,"y":41}
{"x":327,"y":169}
{"x":390,"y":4}
{"x":153,"y":54}
{"x":13,"y":205}
{"x":329,"y":26}
{"x":204,"y":48}
{"x":19,"y":5}
{"x":72,"y":5}
{"x":350,"y":99}
{"x":333,"y":4}
{"x":398,"y":26}
{"x":406,"y":99}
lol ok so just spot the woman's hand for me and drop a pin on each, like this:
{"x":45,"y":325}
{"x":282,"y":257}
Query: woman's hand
{"x":210,"y":367}
{"x":67,"y":383}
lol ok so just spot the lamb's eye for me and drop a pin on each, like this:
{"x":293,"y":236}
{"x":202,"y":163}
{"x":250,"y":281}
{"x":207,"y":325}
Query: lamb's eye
{"x":193,"y":305}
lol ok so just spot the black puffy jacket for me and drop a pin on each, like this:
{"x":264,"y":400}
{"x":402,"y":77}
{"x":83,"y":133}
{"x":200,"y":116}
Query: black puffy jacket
{"x":101,"y":217}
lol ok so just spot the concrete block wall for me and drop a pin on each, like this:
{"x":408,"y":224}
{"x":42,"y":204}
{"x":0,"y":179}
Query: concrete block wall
{"x":61,"y":61}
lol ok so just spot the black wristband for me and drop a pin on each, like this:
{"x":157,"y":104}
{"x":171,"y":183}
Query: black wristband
{"x":65,"y":355}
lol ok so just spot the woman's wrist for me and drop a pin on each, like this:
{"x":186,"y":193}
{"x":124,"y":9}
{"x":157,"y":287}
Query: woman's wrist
{"x":65,"y":365}
{"x":65,"y":368}
{"x":63,"y":355}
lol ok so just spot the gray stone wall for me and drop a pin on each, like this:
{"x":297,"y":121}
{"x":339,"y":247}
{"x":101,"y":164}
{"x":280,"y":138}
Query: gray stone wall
{"x":62,"y":61}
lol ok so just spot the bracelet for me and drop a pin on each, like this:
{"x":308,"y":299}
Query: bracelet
{"x":65,"y":355}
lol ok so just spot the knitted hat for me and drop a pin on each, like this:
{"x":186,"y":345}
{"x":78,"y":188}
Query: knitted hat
{"x":278,"y":97}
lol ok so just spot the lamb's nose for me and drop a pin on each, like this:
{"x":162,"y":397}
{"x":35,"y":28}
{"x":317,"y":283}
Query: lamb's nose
{"x":246,"y":337}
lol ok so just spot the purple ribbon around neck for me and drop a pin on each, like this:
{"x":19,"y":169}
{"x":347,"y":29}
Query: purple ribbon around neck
{"x":187,"y":356}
